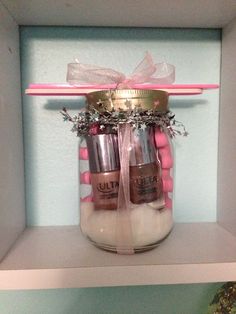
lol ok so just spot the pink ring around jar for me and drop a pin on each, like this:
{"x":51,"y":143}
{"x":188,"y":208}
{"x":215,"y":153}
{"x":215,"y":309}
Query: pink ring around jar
{"x":165,"y":173}
{"x":85,"y":177}
{"x":83,"y":153}
{"x":165,"y":156}
{"x":161,"y":139}
{"x":167,"y":184}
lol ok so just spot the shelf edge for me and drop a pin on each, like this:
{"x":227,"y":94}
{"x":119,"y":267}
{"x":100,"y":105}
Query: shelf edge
{"x":116,"y":276}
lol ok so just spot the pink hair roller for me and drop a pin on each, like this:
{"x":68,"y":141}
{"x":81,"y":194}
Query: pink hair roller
{"x":167,"y":185}
{"x":83,"y":153}
{"x":161,"y":139}
{"x":165,"y":173}
{"x":87,"y":199}
{"x":165,"y":157}
{"x":168,"y":201}
{"x":85,"y":177}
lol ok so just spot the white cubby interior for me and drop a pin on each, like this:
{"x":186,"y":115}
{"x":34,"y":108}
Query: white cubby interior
{"x":59,"y":257}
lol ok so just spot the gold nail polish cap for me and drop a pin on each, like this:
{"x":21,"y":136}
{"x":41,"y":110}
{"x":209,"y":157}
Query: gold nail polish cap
{"x":128,"y":99}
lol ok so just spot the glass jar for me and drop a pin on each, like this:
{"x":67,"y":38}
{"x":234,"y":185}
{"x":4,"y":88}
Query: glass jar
{"x":126,"y":181}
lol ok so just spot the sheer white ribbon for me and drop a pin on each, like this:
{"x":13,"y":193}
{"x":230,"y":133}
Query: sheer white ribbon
{"x":146,"y":72}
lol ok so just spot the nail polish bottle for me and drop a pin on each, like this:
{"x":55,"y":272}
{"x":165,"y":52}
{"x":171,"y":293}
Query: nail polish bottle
{"x":105,"y":169}
{"x":145,"y":170}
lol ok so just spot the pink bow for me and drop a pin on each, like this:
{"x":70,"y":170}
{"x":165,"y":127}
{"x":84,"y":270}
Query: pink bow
{"x":145,"y":72}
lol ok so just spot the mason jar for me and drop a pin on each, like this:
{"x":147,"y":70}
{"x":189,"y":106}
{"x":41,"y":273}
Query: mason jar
{"x":126,"y":168}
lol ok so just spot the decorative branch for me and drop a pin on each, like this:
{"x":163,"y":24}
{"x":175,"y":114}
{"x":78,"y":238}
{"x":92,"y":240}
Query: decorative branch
{"x":94,"y":121}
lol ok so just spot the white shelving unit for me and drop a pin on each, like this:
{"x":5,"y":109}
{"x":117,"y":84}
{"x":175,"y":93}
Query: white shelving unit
{"x":59,"y":257}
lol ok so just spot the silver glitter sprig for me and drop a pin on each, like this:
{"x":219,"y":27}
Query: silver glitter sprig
{"x":93,"y":121}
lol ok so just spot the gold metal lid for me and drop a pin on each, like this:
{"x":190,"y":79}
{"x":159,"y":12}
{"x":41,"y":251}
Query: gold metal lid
{"x":126,"y":99}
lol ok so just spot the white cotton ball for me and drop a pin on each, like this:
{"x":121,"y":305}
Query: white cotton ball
{"x":148,"y":225}
{"x":86,"y":209}
{"x":158,"y":204}
{"x":166,"y":222}
{"x":143,"y":225}
{"x":102,"y":227}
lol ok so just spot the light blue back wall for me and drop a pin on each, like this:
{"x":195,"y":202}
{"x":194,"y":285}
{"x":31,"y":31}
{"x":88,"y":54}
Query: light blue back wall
{"x":179,"y":299}
{"x":50,"y":148}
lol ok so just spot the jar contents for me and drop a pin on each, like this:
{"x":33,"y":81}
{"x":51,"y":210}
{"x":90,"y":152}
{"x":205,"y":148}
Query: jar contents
{"x":126,"y":203}
{"x":151,"y":221}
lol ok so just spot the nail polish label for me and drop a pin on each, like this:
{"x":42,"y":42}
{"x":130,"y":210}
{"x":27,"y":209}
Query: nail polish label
{"x":108,"y":190}
{"x":145,"y":183}
{"x":105,"y":189}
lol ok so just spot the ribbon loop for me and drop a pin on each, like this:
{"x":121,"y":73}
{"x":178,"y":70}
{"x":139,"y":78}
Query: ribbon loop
{"x":79,"y":73}
{"x":124,"y":235}
{"x":145,"y":72}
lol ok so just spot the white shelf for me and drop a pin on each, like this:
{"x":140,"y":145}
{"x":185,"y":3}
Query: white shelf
{"x":149,"y":13}
{"x":60,"y":257}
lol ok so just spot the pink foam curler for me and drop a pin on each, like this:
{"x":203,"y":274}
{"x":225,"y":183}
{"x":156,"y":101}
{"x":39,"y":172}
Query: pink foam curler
{"x":83,"y":153}
{"x":87,"y":199}
{"x":165,"y":151}
{"x":167,"y":184}
{"x":168,"y":201}
{"x":161,"y":139}
{"x":166,"y":162}
{"x":165,"y":173}
{"x":165,"y":156}
{"x":85,"y":177}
